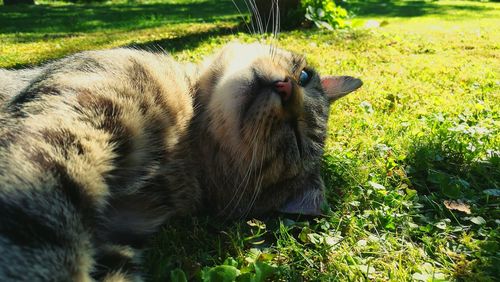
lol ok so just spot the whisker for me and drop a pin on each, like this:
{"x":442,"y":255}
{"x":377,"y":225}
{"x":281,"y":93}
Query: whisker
{"x":278,"y":29}
{"x":258,"y":184}
{"x":269,"y":17}
{"x":257,"y":16}
{"x":253,"y":32}
{"x":248,"y":181}
{"x":242,"y":16}
{"x":246,"y":178}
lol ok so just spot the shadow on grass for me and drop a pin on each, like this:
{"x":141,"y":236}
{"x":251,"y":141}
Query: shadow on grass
{"x":187,"y":244}
{"x":66,"y":19}
{"x":450,"y":170}
{"x":53,"y":21}
{"x":441,"y":172}
{"x":410,"y":8}
{"x":193,"y":243}
{"x":186,"y":42}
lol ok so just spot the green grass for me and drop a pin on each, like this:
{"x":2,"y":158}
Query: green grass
{"x":424,"y":130}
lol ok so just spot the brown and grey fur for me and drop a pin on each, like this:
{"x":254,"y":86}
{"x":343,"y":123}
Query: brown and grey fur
{"x":99,"y":149}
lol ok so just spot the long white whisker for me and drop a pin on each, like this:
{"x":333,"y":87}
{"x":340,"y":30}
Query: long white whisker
{"x":258,"y":184}
{"x":257,"y":16}
{"x":252,"y":24}
{"x":246,"y":178}
{"x":277,"y":27}
{"x":242,"y":16}
{"x":243,"y":183}
{"x":278,"y":20}
{"x":269,"y":16}
{"x":277,"y":13}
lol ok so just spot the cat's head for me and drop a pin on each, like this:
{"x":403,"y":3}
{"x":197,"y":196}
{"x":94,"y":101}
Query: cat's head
{"x":267,"y":113}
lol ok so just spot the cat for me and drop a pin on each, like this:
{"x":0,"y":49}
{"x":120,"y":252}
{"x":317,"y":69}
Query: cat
{"x":99,"y":149}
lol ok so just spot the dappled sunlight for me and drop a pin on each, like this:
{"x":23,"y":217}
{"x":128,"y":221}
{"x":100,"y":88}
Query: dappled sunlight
{"x":31,"y":35}
{"x":411,"y":162}
{"x":418,"y":8}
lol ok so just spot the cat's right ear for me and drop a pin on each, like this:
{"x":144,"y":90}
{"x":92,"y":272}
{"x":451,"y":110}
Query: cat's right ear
{"x":337,"y":87}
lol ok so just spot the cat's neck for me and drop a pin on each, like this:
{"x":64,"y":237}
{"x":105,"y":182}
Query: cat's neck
{"x":218,"y":173}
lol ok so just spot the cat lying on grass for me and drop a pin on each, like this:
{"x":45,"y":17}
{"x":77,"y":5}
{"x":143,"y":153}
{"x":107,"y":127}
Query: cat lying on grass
{"x":99,"y":149}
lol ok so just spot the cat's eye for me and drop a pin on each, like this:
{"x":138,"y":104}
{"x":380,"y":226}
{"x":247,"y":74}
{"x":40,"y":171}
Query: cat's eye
{"x":304,"y":78}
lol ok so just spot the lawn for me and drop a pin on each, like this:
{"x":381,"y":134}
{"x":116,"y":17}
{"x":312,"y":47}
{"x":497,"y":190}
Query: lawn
{"x":412,"y":161}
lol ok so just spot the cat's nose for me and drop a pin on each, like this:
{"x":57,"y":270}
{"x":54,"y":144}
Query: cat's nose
{"x":284,"y":89}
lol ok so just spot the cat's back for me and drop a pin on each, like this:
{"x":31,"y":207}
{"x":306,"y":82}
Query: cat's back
{"x":72,"y":133}
{"x":98,"y":113}
{"x":118,"y":70}
{"x":14,"y":81}
{"x":125,"y":99}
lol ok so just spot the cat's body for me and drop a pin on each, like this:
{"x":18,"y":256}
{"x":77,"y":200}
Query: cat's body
{"x":99,"y":149}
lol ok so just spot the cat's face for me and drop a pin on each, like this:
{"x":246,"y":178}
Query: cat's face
{"x":268,"y":110}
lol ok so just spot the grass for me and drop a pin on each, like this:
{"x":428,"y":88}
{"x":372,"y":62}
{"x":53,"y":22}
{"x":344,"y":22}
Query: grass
{"x":412,"y":161}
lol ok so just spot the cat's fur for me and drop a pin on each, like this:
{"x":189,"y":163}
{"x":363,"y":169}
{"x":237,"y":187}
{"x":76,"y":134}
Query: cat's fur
{"x":98,"y":149}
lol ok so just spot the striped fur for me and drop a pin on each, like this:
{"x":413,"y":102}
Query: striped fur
{"x":99,"y":149}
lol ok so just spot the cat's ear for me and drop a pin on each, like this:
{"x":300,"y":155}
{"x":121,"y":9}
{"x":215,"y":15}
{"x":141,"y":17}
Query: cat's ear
{"x":337,"y":87}
{"x":308,"y":201}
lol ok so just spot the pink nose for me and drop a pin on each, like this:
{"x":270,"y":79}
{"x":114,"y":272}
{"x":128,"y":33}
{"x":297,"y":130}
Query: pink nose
{"x":284,"y":88}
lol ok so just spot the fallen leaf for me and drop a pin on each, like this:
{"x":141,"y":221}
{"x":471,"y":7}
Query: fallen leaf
{"x":457,"y":206}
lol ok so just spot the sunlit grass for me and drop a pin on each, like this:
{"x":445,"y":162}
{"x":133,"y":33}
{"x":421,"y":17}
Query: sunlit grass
{"x":31,"y":35}
{"x":406,"y":158}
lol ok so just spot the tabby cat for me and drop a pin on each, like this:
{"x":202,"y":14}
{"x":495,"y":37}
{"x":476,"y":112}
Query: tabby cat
{"x":99,"y":149}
